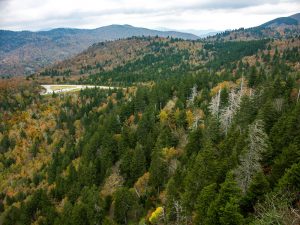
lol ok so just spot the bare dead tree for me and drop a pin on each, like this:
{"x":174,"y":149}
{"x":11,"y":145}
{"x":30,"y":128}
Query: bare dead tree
{"x":250,"y":161}
{"x":194,"y":94}
{"x":276,"y":209}
{"x":228,"y":112}
{"x":278,"y":103}
{"x":226,"y":119}
{"x":181,"y":217}
{"x":163,"y":216}
{"x":196,"y":122}
{"x":214,"y":106}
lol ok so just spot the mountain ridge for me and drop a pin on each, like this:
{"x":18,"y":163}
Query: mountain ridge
{"x":281,"y":27}
{"x":296,"y":17}
{"x":25,"y":52}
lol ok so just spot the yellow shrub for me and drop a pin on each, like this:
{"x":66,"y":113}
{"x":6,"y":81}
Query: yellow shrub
{"x":156,"y":215}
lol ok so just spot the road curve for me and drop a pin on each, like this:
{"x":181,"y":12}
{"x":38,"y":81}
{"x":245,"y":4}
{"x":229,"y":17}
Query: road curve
{"x":49,"y":90}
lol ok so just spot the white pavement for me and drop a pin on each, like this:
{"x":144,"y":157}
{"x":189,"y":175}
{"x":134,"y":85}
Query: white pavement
{"x":68,"y":88}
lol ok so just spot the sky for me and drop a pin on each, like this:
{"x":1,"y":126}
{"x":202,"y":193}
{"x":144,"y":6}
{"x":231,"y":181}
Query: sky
{"x":171,"y":14}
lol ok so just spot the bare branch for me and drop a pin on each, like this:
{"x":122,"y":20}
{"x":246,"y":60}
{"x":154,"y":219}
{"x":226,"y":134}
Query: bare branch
{"x":250,"y":161}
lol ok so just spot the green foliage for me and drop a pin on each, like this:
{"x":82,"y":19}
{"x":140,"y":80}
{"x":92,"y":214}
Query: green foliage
{"x":38,"y":206}
{"x":227,"y":52}
{"x":225,"y":207}
{"x":291,"y":178}
{"x":5,"y":144}
{"x":125,"y":201}
{"x":158,"y":170}
{"x":205,"y":198}
{"x":258,"y":188}
{"x":133,"y":164}
{"x":149,"y":67}
{"x":204,"y":170}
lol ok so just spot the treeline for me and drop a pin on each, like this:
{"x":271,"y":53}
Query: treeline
{"x":55,"y":73}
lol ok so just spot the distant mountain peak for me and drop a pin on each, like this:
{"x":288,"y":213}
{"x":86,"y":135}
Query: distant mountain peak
{"x":282,"y":21}
{"x":296,"y":17}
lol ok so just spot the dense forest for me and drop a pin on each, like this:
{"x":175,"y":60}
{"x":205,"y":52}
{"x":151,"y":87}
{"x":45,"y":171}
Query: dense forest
{"x":215,"y":141}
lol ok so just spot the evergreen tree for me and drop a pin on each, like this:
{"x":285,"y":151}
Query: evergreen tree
{"x":158,"y":170}
{"x":138,"y":162}
{"x":125,"y":201}
{"x":204,"y":199}
{"x":225,"y":208}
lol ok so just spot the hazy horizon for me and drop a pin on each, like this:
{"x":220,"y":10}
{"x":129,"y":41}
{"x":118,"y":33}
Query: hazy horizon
{"x":199,"y":32}
{"x":35,"y":15}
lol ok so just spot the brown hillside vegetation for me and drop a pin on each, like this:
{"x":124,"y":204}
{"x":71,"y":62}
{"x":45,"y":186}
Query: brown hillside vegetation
{"x":106,"y":56}
{"x":26,"y":52}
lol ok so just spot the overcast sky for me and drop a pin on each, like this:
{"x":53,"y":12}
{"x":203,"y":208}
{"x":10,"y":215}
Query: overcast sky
{"x":173,"y":14}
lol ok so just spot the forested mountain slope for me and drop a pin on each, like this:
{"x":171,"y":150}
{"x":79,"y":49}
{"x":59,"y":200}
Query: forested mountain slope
{"x":136,"y":60}
{"x":204,"y":132}
{"x":26,"y":52}
{"x":129,"y":54}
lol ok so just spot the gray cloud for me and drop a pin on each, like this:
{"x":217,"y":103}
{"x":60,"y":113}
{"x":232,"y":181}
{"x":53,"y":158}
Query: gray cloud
{"x":206,"y":14}
{"x":234,"y":5}
{"x":227,"y":4}
{"x":3,"y":4}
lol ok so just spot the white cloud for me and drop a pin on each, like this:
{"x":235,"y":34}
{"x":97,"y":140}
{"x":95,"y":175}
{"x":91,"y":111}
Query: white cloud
{"x":175,"y":14}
